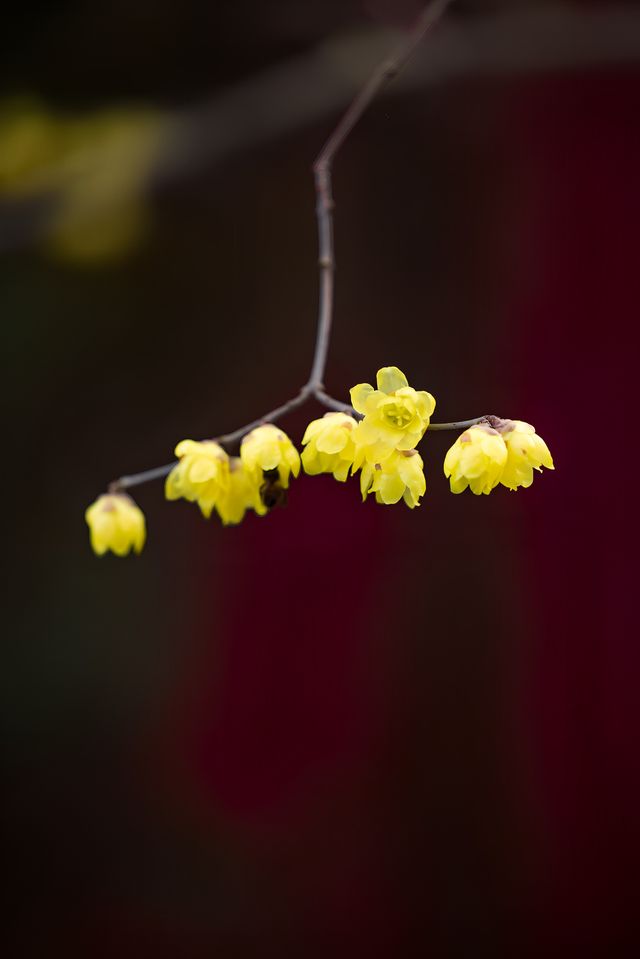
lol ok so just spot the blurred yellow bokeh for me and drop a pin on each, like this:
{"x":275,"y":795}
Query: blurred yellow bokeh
{"x":94,"y":169}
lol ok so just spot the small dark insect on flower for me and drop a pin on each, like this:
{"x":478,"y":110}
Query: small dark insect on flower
{"x":272,"y":492}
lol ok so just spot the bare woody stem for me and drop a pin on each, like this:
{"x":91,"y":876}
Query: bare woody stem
{"x":323,"y":183}
{"x":460,"y":424}
{"x":326,"y":259}
{"x":125,"y":482}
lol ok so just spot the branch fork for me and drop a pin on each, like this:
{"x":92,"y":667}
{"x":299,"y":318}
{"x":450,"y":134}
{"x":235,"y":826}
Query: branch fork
{"x":322,"y":166}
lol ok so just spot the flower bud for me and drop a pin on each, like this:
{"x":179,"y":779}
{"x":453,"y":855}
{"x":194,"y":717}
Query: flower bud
{"x":116,"y":523}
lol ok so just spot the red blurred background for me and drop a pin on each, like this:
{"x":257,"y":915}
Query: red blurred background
{"x":344,"y":729}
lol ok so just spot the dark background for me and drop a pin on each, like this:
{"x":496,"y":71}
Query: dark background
{"x":343,"y":729}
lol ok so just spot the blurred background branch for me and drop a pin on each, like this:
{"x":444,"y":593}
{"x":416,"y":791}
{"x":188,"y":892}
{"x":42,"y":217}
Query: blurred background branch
{"x":78,"y":183}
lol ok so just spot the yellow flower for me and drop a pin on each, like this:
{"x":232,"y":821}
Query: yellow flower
{"x":395,"y":415}
{"x":526,"y":452}
{"x":329,"y":445}
{"x":476,"y":459}
{"x":201,"y":476}
{"x":243,"y":493}
{"x":399,"y":476}
{"x":268,"y":448}
{"x":117,"y":524}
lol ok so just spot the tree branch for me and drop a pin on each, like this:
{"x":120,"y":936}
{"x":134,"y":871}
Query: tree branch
{"x":459,"y":424}
{"x":136,"y":479}
{"x":322,"y":175}
{"x":314,"y":386}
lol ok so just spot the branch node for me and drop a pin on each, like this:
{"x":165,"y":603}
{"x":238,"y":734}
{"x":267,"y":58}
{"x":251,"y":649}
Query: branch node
{"x":389,"y":70}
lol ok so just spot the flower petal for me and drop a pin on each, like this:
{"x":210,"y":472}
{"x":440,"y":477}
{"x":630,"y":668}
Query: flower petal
{"x":201,"y":470}
{"x":359,"y":395}
{"x":390,"y":379}
{"x":390,"y":487}
{"x":425,"y":403}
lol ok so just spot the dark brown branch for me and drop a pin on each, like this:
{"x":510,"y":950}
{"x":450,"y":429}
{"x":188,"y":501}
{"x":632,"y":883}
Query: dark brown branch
{"x":459,"y":424}
{"x":159,"y":472}
{"x":126,"y":482}
{"x":334,"y":404}
{"x":326,"y":266}
{"x":322,"y":174}
{"x":324,"y":212}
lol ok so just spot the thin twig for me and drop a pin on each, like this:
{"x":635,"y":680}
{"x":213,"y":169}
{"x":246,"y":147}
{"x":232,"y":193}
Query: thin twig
{"x":291,"y":404}
{"x":126,"y":482}
{"x":459,"y":424}
{"x":326,"y":267}
{"x":322,"y":175}
{"x":334,"y":404}
{"x":314,"y":386}
{"x":136,"y":479}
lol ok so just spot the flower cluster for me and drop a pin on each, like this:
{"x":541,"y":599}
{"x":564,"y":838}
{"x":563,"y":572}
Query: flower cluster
{"x":231,"y":485}
{"x":505,"y":451}
{"x":377,"y":437}
{"x":381,"y":444}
